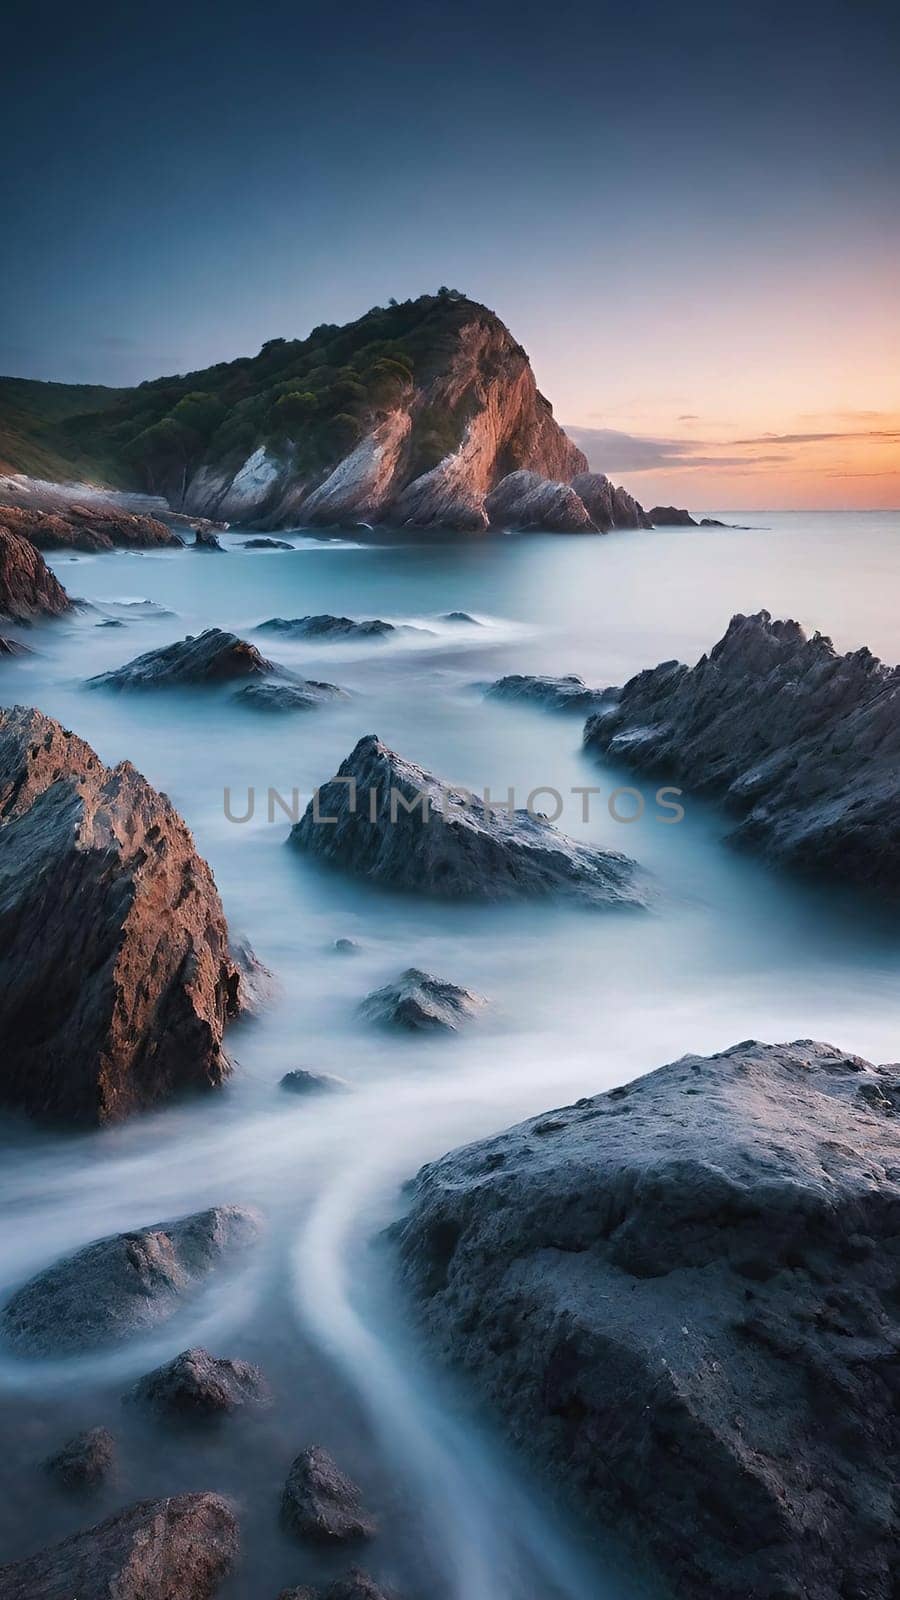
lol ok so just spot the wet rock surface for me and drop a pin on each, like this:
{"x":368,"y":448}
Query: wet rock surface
{"x":73,"y":526}
{"x":85,"y":1463}
{"x":329,"y":627}
{"x":116,"y":981}
{"x":197,"y":1384}
{"x":302,"y":1082}
{"x":321,"y":1504}
{"x":179,"y":1548}
{"x":466,"y":850}
{"x":211,"y":657}
{"x":280,"y":698}
{"x":28,"y":589}
{"x":569,"y":693}
{"x":682,"y":1295}
{"x":802,"y":741}
{"x":524,"y":500}
{"x":122,"y":1285}
{"x":422,"y":1003}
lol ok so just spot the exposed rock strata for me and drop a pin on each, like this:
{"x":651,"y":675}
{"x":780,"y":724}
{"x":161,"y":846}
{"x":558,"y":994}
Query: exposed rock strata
{"x":802,"y":741}
{"x":116,"y":980}
{"x":197,"y":1384}
{"x":321,"y":1503}
{"x":465,"y":850}
{"x":179,"y":1548}
{"x":28,"y":589}
{"x":524,"y":500}
{"x":122,"y":1285}
{"x":682,"y":1295}
{"x":86,"y":527}
{"x":608,"y":506}
{"x":211,"y":657}
{"x":422,"y":1003}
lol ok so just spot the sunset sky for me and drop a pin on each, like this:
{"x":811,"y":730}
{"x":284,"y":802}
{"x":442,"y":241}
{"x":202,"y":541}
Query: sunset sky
{"x":690,"y":216}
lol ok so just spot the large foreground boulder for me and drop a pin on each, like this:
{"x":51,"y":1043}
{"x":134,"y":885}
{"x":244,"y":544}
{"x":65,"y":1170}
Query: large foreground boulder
{"x":524,"y":500}
{"x":399,"y":825}
{"x":683,"y":1296}
{"x":802,"y":741}
{"x":116,"y":980}
{"x":121,"y":1286}
{"x":211,"y":657}
{"x":179,"y":1548}
{"x":28,"y":588}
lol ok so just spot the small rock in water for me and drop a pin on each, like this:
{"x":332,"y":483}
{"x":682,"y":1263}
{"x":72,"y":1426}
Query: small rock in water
{"x":321,"y":1504}
{"x":460,"y":616}
{"x":421,"y":1003}
{"x":347,"y":947}
{"x":212,"y":657}
{"x":205,"y":539}
{"x":569,"y":693}
{"x":85,"y":1462}
{"x":268,"y":544}
{"x":356,"y":1585}
{"x":299,"y":1081}
{"x":284,"y":697}
{"x":197,"y":1384}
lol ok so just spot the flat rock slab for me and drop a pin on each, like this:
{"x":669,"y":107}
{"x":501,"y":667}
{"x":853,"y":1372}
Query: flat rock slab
{"x":116,"y":980}
{"x":422,"y":1003}
{"x":569,"y":693}
{"x":197,"y":1384}
{"x":85,"y":1462}
{"x":179,"y":1548}
{"x":321,"y":1504}
{"x":682,"y":1294}
{"x":211,"y":657}
{"x":464,"y":850}
{"x":305,"y":695}
{"x":804,"y":743}
{"x":121,"y":1286}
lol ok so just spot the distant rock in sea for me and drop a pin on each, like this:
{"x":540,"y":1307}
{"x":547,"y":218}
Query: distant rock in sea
{"x":803,"y":742}
{"x":212,"y":657}
{"x":327,"y":627}
{"x":671,"y":517}
{"x":570,"y":693}
{"x":304,"y":695}
{"x":466,"y":850}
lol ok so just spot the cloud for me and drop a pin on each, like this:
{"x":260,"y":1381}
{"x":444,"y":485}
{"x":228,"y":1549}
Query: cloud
{"x":819,"y":438}
{"x":610,"y":450}
{"x":688,"y":416}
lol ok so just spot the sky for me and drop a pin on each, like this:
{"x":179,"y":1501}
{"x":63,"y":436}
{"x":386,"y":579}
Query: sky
{"x":688,"y":214}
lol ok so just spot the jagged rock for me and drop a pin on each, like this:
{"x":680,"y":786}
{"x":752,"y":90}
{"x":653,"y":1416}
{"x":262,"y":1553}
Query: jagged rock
{"x":682,"y":1295}
{"x":321,"y":1504}
{"x":116,"y":981}
{"x":210,"y":657}
{"x":197,"y":1384}
{"x":465,"y":848}
{"x":570,"y":693}
{"x":122,"y":1285}
{"x":86,"y":1462}
{"x":205,"y":539}
{"x":179,"y":1548}
{"x":303,"y":695}
{"x":609,"y":507}
{"x":86,"y":527}
{"x":628,"y":512}
{"x":803,"y":741}
{"x":672,"y":517}
{"x":328,"y":627}
{"x":28,"y":588}
{"x":268,"y":544}
{"x":299,"y":1081}
{"x":524,"y":500}
{"x":460,"y":616}
{"x":422,"y":1003}
{"x":13,"y":647}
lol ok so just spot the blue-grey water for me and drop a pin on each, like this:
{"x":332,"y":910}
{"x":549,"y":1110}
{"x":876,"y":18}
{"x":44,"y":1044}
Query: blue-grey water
{"x":581,"y":1000}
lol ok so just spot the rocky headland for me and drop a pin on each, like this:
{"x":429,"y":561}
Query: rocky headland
{"x":801,"y":741}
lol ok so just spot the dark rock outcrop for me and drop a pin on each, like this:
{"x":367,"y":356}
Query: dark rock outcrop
{"x":211,"y":657}
{"x":116,"y":981}
{"x":13,"y":647}
{"x":197,"y":1384}
{"x":321,"y":1504}
{"x":682,"y":1294}
{"x":303,"y":695}
{"x":85,"y":1463}
{"x":71,"y":526}
{"x":460,"y":616}
{"x":267,"y":544}
{"x":347,"y":947}
{"x":802,"y":741}
{"x":464,"y":849}
{"x":607,"y":506}
{"x":422,"y":1003}
{"x":569,"y":693}
{"x":206,"y":540}
{"x":28,"y":588}
{"x":671,"y":517}
{"x":524,"y":500}
{"x":179,"y":1548}
{"x":300,"y":1081}
{"x":122,"y":1285}
{"x":356,"y":1585}
{"x":328,"y":627}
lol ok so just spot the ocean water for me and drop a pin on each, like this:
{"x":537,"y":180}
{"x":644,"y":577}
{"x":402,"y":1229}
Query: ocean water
{"x":580,"y":1000}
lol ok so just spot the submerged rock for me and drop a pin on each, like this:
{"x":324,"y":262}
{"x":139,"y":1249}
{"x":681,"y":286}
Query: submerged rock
{"x":329,"y":627}
{"x":122,"y":1285}
{"x":569,"y":693}
{"x":304,"y":695}
{"x":464,"y":850}
{"x":209,"y":658}
{"x":682,"y":1295}
{"x":801,"y":740}
{"x":179,"y":1548}
{"x":28,"y":588}
{"x":671,"y":517}
{"x":300,"y":1081}
{"x":86,"y":1462}
{"x":524,"y":500}
{"x":197,"y":1384}
{"x":422,"y":1003}
{"x":116,"y":981}
{"x":321,"y":1504}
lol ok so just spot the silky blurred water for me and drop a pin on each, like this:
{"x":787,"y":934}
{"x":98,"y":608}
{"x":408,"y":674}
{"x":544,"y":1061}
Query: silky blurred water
{"x":580,"y":1000}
